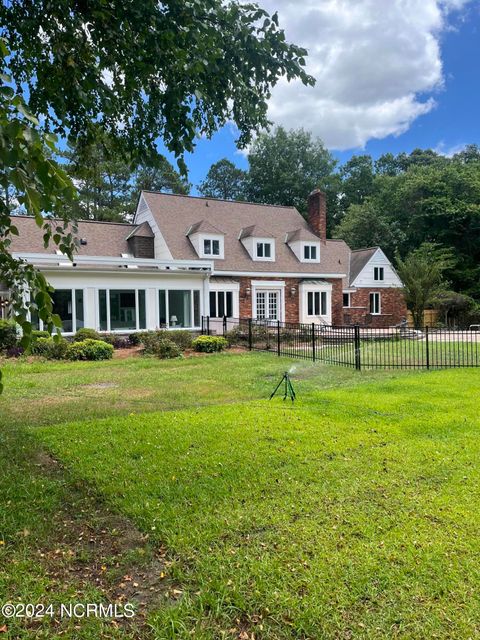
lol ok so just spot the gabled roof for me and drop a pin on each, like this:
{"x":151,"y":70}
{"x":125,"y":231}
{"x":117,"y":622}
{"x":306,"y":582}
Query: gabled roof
{"x":203,"y":226}
{"x":301,"y":234}
{"x":254,"y":231}
{"x":359,"y":259}
{"x":174,"y":212}
{"x":143,"y":230}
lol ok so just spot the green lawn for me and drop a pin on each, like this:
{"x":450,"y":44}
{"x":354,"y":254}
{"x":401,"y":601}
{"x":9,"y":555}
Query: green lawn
{"x":351,"y":514}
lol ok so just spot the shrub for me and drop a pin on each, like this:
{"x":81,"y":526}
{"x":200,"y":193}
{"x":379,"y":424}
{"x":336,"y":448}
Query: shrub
{"x":135,"y":338}
{"x":49,"y":348}
{"x":14,"y":352}
{"x":237,"y":336}
{"x":158,"y":343}
{"x":165,"y":348}
{"x":181,"y":338}
{"x":89,"y":350}
{"x":8,"y":334}
{"x":86,"y":334}
{"x":210,"y":344}
{"x":117,"y":342}
{"x":39,"y":334}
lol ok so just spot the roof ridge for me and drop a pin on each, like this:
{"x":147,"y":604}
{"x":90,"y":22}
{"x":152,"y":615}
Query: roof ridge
{"x":365,"y":249}
{"x":257,"y":204}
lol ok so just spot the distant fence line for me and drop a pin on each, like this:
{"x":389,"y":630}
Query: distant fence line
{"x":353,"y":346}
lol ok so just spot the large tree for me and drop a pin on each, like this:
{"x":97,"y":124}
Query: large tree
{"x":284,"y":166}
{"x":224,"y":180}
{"x":423,"y":275}
{"x":108,"y":184}
{"x":137,"y":70}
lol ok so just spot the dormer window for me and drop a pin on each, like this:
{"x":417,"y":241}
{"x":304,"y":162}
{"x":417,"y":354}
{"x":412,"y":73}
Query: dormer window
{"x":310,"y":252}
{"x":211,"y":247}
{"x":264,"y":250}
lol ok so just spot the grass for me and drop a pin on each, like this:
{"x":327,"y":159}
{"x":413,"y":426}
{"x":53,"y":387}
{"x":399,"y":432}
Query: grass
{"x":350,"y":514}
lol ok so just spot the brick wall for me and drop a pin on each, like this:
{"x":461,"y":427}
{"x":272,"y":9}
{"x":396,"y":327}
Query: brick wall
{"x":292,"y":302}
{"x":392,"y":306}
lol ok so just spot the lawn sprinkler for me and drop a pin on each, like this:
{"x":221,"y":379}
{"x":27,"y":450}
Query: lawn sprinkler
{"x":289,"y":390}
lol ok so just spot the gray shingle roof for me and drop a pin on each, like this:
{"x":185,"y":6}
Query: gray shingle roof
{"x":359,"y":258}
{"x":103,"y":238}
{"x":174,"y":212}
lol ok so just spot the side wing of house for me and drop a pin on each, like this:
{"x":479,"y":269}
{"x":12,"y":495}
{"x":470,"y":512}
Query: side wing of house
{"x":374,"y":295}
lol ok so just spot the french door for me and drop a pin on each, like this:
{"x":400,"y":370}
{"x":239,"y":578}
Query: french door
{"x":267,"y":305}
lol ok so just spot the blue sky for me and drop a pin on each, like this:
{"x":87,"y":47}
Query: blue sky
{"x":403,"y":74}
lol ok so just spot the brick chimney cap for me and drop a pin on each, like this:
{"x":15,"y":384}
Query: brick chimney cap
{"x":315,"y":191}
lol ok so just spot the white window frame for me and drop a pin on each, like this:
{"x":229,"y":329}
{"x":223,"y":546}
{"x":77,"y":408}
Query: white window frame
{"x":262,"y":244}
{"x":349,"y":294}
{"x":379,"y":312}
{"x":41,"y":326}
{"x":377,"y":272}
{"x":269,"y":287}
{"x":322,"y":295}
{"x":310,"y":246}
{"x":224,"y":293}
{"x":211,"y":239}
{"x":137,"y":309}
{"x":167,"y":309}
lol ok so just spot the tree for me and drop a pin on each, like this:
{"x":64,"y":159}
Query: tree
{"x":102,"y":179}
{"x":422,"y":273}
{"x":365,"y":226}
{"x":225,"y":181}
{"x":108,"y":184}
{"x":136,"y":70}
{"x":285,"y":166}
{"x":357,"y":180}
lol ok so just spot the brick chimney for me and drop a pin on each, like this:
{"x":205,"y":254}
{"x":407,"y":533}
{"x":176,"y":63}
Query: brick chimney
{"x":317,"y":213}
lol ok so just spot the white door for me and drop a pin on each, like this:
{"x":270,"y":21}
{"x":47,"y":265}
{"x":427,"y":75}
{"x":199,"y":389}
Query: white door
{"x":267,"y":303}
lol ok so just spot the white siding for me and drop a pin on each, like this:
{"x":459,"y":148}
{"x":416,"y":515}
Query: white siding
{"x":91,"y":282}
{"x":143,"y":214}
{"x":366,"y":277}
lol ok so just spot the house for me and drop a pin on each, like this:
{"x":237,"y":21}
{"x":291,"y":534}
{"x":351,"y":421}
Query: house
{"x":186,"y":257}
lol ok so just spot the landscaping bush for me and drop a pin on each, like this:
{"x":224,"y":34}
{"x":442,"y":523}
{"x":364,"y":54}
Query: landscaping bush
{"x":165,"y":348}
{"x":89,"y":350}
{"x":237,"y":336}
{"x":8,"y":335}
{"x":117,"y":342}
{"x":210,"y":344}
{"x":158,"y":343}
{"x":39,"y":334}
{"x":181,"y":338}
{"x":86,"y":334}
{"x":135,"y":338}
{"x":49,"y":348}
{"x":14,"y":352}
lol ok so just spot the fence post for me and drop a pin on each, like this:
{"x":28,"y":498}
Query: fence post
{"x":224,"y":325}
{"x":208,"y":325}
{"x":278,"y":338}
{"x":313,"y":342}
{"x":203,"y":325}
{"x":250,"y":336}
{"x":427,"y":346}
{"x":358,"y":360}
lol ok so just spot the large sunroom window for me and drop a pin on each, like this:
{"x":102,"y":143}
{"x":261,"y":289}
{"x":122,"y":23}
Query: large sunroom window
{"x":122,"y":309}
{"x":179,"y":308}
{"x":68,"y":305}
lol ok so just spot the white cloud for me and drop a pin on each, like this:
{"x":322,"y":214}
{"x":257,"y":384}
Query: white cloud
{"x":377,"y":64}
{"x":449,"y":150}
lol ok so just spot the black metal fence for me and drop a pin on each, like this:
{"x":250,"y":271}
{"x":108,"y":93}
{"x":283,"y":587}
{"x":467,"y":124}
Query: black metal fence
{"x":353,"y":346}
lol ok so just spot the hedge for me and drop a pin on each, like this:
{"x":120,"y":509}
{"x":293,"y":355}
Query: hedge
{"x":8,"y":335}
{"x":210,"y":344}
{"x":89,"y":350}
